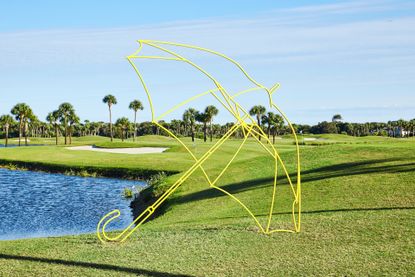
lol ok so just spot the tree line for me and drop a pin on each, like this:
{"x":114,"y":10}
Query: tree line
{"x":392,"y":128}
{"x":23,"y":123}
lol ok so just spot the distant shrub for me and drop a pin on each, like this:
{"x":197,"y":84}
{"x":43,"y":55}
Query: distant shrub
{"x":132,"y":192}
{"x":80,"y":172}
{"x":12,"y":167}
{"x":321,"y":143}
{"x":382,"y":133}
{"x":158,"y":179}
{"x":70,"y":172}
{"x":157,"y":183}
{"x":85,"y":173}
{"x":127,"y":193}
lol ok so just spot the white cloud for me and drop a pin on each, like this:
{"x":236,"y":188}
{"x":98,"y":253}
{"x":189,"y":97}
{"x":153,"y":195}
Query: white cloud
{"x":351,"y":7}
{"x":358,"y":49}
{"x":286,"y":34}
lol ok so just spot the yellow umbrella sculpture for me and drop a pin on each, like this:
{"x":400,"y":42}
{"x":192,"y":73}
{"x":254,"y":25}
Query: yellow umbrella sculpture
{"x":243,"y":122}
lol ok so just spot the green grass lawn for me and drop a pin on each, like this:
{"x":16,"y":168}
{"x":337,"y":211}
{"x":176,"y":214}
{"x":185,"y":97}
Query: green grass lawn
{"x":358,"y":213}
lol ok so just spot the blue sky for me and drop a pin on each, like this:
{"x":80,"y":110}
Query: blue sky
{"x":356,"y":58}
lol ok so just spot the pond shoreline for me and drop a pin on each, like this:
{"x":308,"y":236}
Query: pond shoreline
{"x":65,"y":205}
{"x":145,"y":198}
{"x":84,"y":171}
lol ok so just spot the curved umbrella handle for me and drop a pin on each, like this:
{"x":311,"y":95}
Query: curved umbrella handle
{"x":102,"y":224}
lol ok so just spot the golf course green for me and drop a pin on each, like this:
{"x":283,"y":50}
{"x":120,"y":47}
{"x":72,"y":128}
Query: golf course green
{"x":358,"y":211}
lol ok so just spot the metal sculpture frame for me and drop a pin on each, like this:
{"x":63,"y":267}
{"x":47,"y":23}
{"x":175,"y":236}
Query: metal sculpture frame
{"x":240,"y":114}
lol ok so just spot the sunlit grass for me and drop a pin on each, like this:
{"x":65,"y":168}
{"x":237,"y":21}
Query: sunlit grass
{"x":358,"y":214}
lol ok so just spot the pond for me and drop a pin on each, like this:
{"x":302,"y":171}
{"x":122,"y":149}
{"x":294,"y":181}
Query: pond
{"x":37,"y":204}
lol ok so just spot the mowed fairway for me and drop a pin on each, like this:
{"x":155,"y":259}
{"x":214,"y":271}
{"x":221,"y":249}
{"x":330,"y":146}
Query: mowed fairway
{"x":358,"y":214}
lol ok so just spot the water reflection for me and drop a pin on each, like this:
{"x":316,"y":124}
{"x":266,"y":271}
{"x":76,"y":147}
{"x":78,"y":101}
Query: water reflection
{"x":35,"y":204}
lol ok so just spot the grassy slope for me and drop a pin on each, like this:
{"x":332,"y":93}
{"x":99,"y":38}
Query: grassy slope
{"x":358,"y":203}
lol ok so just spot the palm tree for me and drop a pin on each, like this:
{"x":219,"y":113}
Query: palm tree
{"x":408,"y":127}
{"x":65,"y":111}
{"x":6,"y":120}
{"x":21,"y":111}
{"x":97,"y":127}
{"x":336,"y":118}
{"x":268,"y":120}
{"x":53,"y":118}
{"x":73,"y":120}
{"x":33,"y":126}
{"x":123,"y":123}
{"x":33,"y":119}
{"x":258,"y":111}
{"x":277,"y":123}
{"x":110,"y":100}
{"x":401,"y":124}
{"x":189,"y":117}
{"x":389,"y":126}
{"x":227,"y":127}
{"x":175,"y":125}
{"x":87,"y":126}
{"x":204,"y":119}
{"x":135,"y":105}
{"x":210,"y":112}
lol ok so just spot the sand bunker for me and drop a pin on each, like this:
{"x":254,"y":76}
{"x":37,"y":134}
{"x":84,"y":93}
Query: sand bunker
{"x":22,"y":140}
{"x":140,"y":150}
{"x":309,"y":139}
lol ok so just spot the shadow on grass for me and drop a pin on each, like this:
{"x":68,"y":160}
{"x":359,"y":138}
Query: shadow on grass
{"x":340,"y":210}
{"x":317,"y":212}
{"x":89,"y":265}
{"x":354,"y":210}
{"x":321,"y":173}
